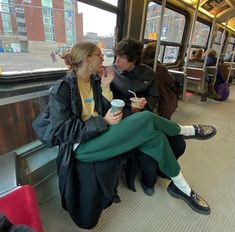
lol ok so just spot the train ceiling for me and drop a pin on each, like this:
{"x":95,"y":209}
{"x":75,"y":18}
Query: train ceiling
{"x":224,"y":10}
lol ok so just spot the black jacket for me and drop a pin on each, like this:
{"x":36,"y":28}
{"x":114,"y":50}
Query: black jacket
{"x":65,"y":111}
{"x":142,"y":80}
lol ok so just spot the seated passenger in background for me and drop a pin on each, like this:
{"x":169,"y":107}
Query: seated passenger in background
{"x":219,"y":79}
{"x":193,"y":54}
{"x":211,"y":61}
{"x":196,"y":59}
{"x":197,"y":62}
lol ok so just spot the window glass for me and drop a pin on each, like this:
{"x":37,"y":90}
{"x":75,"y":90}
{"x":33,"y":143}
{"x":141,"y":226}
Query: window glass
{"x":170,"y":55}
{"x":33,"y":34}
{"x":232,"y":40}
{"x":200,"y":34}
{"x":101,"y":30}
{"x":230,"y":48}
{"x":218,"y":37}
{"x":47,"y":3}
{"x":216,"y":47}
{"x":173,"y":24}
{"x":172,"y":31}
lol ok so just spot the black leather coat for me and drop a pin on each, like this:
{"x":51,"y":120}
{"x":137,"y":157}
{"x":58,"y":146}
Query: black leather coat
{"x":65,"y":111}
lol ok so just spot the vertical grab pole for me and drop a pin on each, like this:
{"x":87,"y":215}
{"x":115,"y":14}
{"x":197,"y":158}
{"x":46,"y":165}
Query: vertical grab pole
{"x":210,"y":41}
{"x":189,"y":47}
{"x":220,"y":49}
{"x":129,"y":18}
{"x":231,"y":64}
{"x":159,"y":34}
{"x":232,"y":58}
{"x":221,"y":44}
{"x":191,"y":37}
{"x":143,"y":21}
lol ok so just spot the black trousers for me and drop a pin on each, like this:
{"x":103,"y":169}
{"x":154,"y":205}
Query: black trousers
{"x":149,"y":167}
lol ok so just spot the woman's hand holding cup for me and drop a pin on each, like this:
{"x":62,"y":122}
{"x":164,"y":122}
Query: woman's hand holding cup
{"x":112,"y":118}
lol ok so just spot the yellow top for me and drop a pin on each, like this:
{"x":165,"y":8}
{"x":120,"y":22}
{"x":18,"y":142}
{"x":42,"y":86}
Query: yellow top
{"x":88,"y":104}
{"x":107,"y":93}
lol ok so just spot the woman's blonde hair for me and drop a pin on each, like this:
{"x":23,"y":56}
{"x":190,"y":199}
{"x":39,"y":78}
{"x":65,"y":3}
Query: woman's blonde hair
{"x":73,"y":58}
{"x":198,"y":54}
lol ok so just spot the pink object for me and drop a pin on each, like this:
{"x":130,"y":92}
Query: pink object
{"x":21,"y":208}
{"x":188,"y":94}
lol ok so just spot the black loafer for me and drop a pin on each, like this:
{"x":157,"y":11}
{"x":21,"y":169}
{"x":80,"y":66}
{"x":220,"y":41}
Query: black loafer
{"x":196,"y":202}
{"x":202,"y":132}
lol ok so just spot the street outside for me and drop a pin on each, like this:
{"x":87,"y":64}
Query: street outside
{"x":10,"y":62}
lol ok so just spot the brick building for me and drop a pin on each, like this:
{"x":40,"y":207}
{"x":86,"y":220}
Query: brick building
{"x":39,"y":25}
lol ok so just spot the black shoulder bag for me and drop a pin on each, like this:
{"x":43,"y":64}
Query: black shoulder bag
{"x":43,"y":128}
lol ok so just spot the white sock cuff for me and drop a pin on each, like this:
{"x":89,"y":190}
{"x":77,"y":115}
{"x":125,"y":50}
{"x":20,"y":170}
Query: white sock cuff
{"x":187,"y":130}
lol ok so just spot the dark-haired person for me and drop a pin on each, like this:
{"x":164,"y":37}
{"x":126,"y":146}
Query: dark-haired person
{"x":211,"y":61}
{"x":88,"y":130}
{"x":131,"y":74}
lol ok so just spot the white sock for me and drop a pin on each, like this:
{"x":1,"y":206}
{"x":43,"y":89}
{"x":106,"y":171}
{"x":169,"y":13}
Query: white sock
{"x":181,"y":183}
{"x":187,"y":130}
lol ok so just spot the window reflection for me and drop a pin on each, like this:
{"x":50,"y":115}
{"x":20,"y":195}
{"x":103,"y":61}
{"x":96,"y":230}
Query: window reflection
{"x":173,"y":24}
{"x":200,"y":34}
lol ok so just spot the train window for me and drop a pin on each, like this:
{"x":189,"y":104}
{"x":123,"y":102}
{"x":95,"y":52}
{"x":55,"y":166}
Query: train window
{"x":101,"y":30}
{"x":172,"y":30}
{"x":217,"y":41}
{"x":218,"y":37}
{"x":35,"y":33}
{"x":170,"y":55}
{"x":200,"y":34}
{"x":230,"y":48}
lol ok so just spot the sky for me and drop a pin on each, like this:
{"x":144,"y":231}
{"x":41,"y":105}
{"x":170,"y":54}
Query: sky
{"x":97,"y":20}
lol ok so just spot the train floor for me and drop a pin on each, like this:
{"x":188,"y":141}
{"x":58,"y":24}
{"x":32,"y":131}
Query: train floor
{"x":207,"y":165}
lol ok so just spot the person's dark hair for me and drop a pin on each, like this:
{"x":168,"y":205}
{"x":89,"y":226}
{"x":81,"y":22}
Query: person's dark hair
{"x":130,"y":48}
{"x":149,"y":54}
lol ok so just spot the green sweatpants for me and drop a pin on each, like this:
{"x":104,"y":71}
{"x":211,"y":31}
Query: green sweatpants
{"x":143,"y":130}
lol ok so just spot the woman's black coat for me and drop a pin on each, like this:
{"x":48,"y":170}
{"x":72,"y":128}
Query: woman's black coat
{"x":98,"y":179}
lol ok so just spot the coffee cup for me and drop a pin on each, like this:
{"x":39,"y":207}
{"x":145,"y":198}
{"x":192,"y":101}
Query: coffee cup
{"x":135,"y":106}
{"x":117,"y":104}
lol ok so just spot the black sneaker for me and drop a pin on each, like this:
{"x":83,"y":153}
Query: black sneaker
{"x":147,"y":190}
{"x":196,"y":202}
